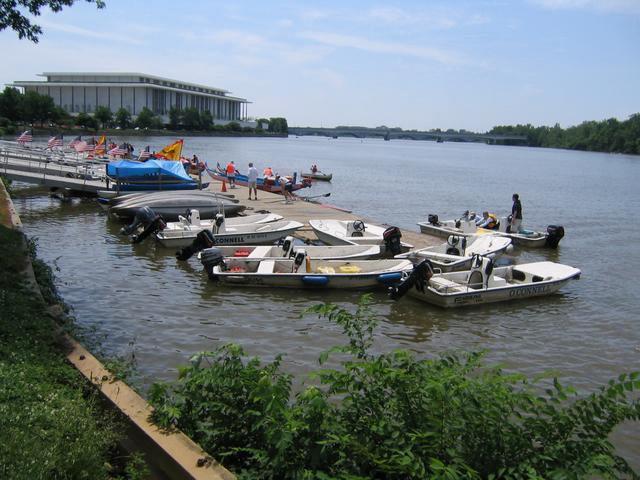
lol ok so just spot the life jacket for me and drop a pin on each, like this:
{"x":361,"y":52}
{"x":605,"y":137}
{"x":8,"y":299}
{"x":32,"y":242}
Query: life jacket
{"x":493,"y":223}
{"x":231,"y":169}
{"x":267,"y":172}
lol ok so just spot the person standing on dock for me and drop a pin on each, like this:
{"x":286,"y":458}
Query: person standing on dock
{"x":516,"y":214}
{"x":231,"y":174}
{"x":252,"y":178}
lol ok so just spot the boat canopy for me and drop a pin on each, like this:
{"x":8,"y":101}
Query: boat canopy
{"x":132,"y":169}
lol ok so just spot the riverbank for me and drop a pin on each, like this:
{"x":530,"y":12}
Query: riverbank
{"x":57,"y":415}
{"x":50,"y":423}
{"x":131,"y":132}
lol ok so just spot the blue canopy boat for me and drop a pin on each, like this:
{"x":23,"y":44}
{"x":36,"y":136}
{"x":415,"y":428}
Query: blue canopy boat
{"x":150,"y":175}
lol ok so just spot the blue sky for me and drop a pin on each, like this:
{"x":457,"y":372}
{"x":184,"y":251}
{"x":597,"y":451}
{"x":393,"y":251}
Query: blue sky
{"x":422,"y":64}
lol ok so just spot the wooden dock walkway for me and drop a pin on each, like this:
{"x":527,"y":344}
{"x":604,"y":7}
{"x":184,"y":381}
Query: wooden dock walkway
{"x":303,"y":211}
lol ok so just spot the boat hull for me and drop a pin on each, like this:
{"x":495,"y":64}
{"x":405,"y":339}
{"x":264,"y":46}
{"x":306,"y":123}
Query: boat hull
{"x":318,"y":176}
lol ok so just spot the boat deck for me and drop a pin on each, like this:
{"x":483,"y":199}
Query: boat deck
{"x":303,"y":211}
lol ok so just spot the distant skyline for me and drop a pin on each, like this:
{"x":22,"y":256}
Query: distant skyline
{"x":416,"y":65}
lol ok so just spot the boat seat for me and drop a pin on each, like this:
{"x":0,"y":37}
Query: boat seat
{"x":495,"y":282}
{"x":260,"y":252}
{"x":266,"y":266}
{"x":444,"y":285}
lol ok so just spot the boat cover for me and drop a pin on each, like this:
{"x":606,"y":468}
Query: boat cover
{"x":131,"y":170}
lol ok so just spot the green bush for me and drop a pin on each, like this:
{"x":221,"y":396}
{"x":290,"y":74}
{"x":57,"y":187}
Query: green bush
{"x":393,"y":415}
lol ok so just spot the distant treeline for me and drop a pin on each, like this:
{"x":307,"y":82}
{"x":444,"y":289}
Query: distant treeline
{"x":32,"y":108}
{"x":609,"y":135}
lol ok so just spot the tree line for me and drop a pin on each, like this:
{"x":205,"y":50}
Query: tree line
{"x":609,"y":135}
{"x":33,"y":108}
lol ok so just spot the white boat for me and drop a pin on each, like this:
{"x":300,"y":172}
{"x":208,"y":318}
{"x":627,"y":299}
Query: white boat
{"x":466,"y":227}
{"x":357,"y":232}
{"x":190,"y":225}
{"x":288,"y":249}
{"x":247,"y":234}
{"x":458,"y":251}
{"x":484,"y":283}
{"x":303,"y":272}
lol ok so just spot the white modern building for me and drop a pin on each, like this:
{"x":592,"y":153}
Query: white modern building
{"x":78,"y":92}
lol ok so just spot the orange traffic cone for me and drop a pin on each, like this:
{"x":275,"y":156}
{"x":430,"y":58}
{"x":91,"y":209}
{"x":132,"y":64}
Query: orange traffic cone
{"x":224,"y":186}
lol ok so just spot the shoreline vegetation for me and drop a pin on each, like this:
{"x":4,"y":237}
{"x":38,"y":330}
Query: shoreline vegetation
{"x":52,"y":423}
{"x":38,"y":112}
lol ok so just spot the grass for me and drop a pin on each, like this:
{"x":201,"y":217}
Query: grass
{"x":51,"y":425}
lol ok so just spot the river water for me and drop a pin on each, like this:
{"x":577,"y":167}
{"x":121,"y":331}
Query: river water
{"x":137,"y":299}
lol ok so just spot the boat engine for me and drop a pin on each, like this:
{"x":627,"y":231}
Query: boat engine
{"x":204,"y":239}
{"x":209,"y":258}
{"x":419,"y":277}
{"x":433,"y":219}
{"x":554,"y":235}
{"x":287,"y":247}
{"x":391,"y":237}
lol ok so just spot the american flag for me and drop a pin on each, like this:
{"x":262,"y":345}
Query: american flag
{"x":83,"y":146}
{"x":121,"y":150}
{"x":75,"y":141}
{"x":144,"y":154}
{"x":55,"y":141}
{"x":26,"y":137}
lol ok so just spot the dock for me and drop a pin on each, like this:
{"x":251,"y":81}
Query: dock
{"x":303,"y":211}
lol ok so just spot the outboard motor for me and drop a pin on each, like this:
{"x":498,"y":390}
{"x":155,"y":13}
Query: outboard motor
{"x":299,"y":259}
{"x":433,"y":219}
{"x":156,"y":225}
{"x":391,"y":237}
{"x":419,"y":277}
{"x":144,"y":216}
{"x":554,"y":235}
{"x":209,"y":258}
{"x":287,"y":247}
{"x":204,"y":239}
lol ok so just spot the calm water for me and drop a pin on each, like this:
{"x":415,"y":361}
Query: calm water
{"x":139,"y":299}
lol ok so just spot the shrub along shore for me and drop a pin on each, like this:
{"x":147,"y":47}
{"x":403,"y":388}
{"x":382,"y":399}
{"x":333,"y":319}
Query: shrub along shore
{"x":52,"y":424}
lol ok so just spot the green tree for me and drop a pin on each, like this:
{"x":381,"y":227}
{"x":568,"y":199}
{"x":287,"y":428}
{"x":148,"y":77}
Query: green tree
{"x":278,"y":125}
{"x":11,"y":104}
{"x":37,"y":107}
{"x":174,"y":118}
{"x":85,"y":120}
{"x":262,"y":123}
{"x":145,"y":118}
{"x":12,"y":16}
{"x":206,"y":120}
{"x":123,"y":118}
{"x":103,"y":115}
{"x":191,"y":119}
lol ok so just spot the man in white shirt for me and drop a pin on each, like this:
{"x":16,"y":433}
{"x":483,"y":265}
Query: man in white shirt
{"x":252,"y":178}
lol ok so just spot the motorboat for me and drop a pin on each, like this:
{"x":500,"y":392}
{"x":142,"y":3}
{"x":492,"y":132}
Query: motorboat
{"x":457,"y":252}
{"x":268,"y":184}
{"x":223,"y":234}
{"x":170,"y":206}
{"x":467,"y":226}
{"x":189,"y":225}
{"x":483,"y":283}
{"x":325,"y":177}
{"x":150,"y":175}
{"x":357,"y":232}
{"x":303,"y":271}
{"x":288,"y":249}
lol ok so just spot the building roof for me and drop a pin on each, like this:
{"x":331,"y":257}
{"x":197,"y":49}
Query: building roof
{"x":72,"y":83}
{"x":131,"y":74}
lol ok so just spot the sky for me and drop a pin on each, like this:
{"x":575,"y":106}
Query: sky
{"x":411,"y":64}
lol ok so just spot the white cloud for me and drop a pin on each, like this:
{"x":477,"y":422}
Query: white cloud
{"x":360,"y":43}
{"x":433,"y":18}
{"x":606,"y":6}
{"x":101,"y":34}
{"x":327,"y":76}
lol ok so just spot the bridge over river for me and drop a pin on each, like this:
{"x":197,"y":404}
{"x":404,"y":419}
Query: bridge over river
{"x":391,"y":134}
